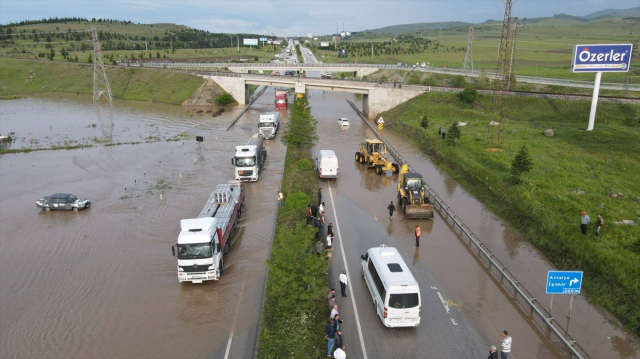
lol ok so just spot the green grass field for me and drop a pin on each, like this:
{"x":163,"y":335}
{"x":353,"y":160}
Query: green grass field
{"x":546,"y":208}
{"x":26,"y":77}
{"x":543,"y":48}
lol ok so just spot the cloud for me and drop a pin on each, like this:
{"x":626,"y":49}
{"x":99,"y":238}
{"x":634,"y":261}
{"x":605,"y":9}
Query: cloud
{"x":144,"y":5}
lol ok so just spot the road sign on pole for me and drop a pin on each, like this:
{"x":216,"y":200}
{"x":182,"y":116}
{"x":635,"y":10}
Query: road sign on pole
{"x":380,"y":124}
{"x":564,"y":282}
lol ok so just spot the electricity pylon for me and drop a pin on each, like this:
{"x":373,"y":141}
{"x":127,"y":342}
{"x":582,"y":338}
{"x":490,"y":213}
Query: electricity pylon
{"x":495,"y":132}
{"x":512,"y":45}
{"x":100,"y":81}
{"x":467,"y":64}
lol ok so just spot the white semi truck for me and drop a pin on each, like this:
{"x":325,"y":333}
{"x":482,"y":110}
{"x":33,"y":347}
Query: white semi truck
{"x":269,"y":124}
{"x":249,"y":159}
{"x":203,"y":241}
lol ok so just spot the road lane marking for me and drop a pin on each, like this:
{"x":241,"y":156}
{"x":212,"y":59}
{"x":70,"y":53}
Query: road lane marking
{"x":344,"y":260}
{"x":235,"y":319}
{"x":446,"y":307}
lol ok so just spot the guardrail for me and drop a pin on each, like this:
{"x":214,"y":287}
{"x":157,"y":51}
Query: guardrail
{"x":251,"y":101}
{"x":571,"y":348}
{"x":462,"y":72}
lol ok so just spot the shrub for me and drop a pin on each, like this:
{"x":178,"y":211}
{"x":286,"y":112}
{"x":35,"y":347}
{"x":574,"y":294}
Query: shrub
{"x":454,"y":133}
{"x":304,"y":164}
{"x":468,"y":95}
{"x":458,"y":81}
{"x":521,"y":164}
{"x":224,"y":99}
{"x":414,"y":79}
{"x":298,"y":201}
{"x":429,"y":81}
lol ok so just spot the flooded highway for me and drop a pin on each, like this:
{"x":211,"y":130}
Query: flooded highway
{"x":101,"y":283}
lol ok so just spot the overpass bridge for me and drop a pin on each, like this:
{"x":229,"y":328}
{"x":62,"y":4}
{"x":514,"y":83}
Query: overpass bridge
{"x":367,"y":69}
{"x":376,"y":98}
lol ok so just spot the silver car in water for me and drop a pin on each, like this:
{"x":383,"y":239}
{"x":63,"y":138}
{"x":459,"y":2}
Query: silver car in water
{"x":62,"y":201}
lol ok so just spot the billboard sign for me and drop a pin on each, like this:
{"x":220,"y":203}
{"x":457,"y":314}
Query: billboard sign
{"x":250,"y":42}
{"x":324,"y":44}
{"x":263,"y":39}
{"x":601,"y":58}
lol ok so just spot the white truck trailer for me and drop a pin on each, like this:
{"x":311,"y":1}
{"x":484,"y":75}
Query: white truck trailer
{"x":203,"y":241}
{"x":249,"y":159}
{"x":269,"y":124}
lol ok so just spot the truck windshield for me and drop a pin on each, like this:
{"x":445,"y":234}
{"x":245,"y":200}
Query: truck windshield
{"x":245,"y":161}
{"x":266,"y":124}
{"x":402,"y":301}
{"x":414,"y":184}
{"x":194,"y":251}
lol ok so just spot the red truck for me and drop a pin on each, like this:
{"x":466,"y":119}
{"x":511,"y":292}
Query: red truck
{"x":281,"y":100}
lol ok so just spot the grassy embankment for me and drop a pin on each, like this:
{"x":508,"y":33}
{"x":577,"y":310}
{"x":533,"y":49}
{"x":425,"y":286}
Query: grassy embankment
{"x":25,"y":77}
{"x":546,"y":207}
{"x":295,"y":306}
{"x":544,"y":48}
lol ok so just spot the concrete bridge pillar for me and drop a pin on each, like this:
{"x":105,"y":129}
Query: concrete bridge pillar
{"x":236,"y":86}
{"x":381,"y":99}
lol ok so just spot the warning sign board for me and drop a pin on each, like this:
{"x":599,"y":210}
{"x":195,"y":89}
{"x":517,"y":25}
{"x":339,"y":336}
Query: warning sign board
{"x":380,"y":120}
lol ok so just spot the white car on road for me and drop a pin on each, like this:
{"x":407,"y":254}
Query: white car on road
{"x":343,"y":121}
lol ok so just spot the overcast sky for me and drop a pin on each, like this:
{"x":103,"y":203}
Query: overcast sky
{"x":292,"y":18}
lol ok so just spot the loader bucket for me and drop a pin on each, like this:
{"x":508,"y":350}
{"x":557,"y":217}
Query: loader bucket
{"x":419,"y":211}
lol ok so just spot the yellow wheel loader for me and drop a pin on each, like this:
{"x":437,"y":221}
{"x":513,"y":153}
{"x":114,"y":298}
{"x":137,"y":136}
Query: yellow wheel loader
{"x":413,"y":199}
{"x":373,"y":153}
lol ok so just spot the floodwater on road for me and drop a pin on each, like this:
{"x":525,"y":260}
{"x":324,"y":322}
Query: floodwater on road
{"x":101,"y":283}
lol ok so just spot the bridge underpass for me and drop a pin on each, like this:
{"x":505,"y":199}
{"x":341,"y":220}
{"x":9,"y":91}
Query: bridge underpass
{"x":376,"y":99}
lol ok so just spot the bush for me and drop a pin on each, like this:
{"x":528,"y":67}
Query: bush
{"x":304,"y":164}
{"x":429,"y":81}
{"x":468,"y":95}
{"x":414,"y":79}
{"x":298,"y":201}
{"x":458,"y":81}
{"x":224,"y":99}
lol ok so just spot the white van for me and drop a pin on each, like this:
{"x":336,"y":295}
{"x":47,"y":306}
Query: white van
{"x":395,"y":293}
{"x":327,"y":164}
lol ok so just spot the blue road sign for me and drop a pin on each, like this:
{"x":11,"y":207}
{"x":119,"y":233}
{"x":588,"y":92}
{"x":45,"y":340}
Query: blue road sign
{"x":601,"y":58}
{"x":564,"y":282}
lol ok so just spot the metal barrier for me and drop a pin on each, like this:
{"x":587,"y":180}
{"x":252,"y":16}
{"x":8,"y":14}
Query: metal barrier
{"x":251,"y":101}
{"x":571,"y":348}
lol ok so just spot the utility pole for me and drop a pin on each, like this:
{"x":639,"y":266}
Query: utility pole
{"x":635,"y":47}
{"x":100,"y":81}
{"x":495,"y":132}
{"x":238,"y":42}
{"x":371,"y":49}
{"x":467,"y":63}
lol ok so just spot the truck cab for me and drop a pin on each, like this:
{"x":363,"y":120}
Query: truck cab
{"x":249,"y":159}
{"x":198,"y":250}
{"x":269,"y":124}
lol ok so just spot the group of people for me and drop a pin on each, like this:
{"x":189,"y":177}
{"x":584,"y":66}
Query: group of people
{"x":418,"y":230}
{"x":332,"y":331}
{"x":504,"y":350}
{"x":585,"y":220}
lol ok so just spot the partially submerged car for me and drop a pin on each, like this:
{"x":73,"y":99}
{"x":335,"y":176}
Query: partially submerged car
{"x":343,"y":121}
{"x":62,"y":201}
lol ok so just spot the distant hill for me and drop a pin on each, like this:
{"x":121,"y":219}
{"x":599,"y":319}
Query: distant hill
{"x":412,"y":28}
{"x":632,"y":12}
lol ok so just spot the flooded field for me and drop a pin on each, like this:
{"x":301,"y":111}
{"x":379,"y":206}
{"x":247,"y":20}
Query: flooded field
{"x":102,"y":283}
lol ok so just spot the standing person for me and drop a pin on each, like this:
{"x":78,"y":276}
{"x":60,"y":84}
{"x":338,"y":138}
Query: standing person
{"x":308,"y":212}
{"x":280,"y":200}
{"x":444,"y":133}
{"x":584,"y":222}
{"x":418,"y":234}
{"x":329,"y":333}
{"x":336,"y":323}
{"x":391,"y":209}
{"x":343,"y":283}
{"x":439,"y":130}
{"x":319,"y":195}
{"x":319,"y":247}
{"x":506,"y":345}
{"x":314,"y":210}
{"x":338,"y":339}
{"x":330,"y":228}
{"x":340,"y":353}
{"x":599,"y":223}
{"x":332,"y":293}
{"x":330,"y":242}
{"x":493,"y":352}
{"x":332,"y":301}
{"x":334,"y":312}
{"x":321,"y":208}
